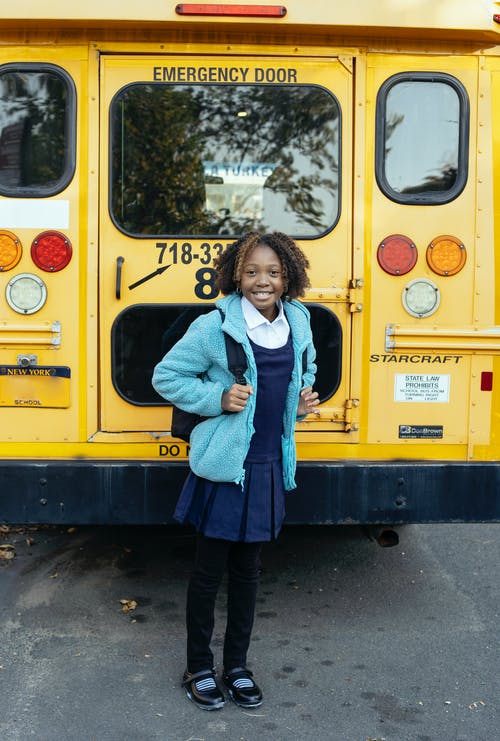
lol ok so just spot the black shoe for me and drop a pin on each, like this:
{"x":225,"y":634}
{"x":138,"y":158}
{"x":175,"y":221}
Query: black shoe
{"x":203,"y":690}
{"x":241,"y":687}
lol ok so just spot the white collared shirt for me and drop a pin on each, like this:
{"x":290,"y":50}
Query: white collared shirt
{"x":261,"y":330}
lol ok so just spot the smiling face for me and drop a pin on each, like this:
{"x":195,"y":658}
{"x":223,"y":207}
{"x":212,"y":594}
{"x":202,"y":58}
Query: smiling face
{"x":262,"y":281}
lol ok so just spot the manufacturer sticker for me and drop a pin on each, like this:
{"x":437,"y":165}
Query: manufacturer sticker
{"x":412,"y":432}
{"x":422,"y":387}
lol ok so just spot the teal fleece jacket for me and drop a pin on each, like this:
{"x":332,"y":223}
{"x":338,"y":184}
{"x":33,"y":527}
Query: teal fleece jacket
{"x":194,"y":374}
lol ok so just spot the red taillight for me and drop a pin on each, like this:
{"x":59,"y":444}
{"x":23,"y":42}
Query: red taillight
{"x":486,"y":381}
{"x":397,"y":254}
{"x":245,"y":11}
{"x":51,"y":251}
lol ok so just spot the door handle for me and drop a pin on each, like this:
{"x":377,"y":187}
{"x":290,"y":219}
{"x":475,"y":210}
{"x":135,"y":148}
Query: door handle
{"x":118,"y":289}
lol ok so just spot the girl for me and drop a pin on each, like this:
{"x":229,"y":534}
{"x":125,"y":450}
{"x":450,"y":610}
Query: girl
{"x":242,"y":457}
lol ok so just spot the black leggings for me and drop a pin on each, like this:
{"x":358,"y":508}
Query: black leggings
{"x":242,"y":561}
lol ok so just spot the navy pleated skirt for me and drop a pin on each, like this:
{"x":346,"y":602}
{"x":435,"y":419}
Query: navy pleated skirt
{"x":254,"y":512}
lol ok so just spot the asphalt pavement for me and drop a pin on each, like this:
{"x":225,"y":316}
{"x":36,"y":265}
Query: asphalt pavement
{"x":352,"y":642}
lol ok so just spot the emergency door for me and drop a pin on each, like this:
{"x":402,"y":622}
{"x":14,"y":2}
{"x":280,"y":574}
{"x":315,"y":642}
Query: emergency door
{"x":196,"y":151}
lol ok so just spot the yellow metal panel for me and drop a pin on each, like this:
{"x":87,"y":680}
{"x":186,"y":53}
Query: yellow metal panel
{"x":471,"y":420}
{"x":490,"y":118}
{"x":446,"y":16}
{"x":466,"y":298}
{"x":56,"y":334}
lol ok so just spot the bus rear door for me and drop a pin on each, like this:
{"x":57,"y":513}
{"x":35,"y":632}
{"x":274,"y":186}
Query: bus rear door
{"x":195,"y":151}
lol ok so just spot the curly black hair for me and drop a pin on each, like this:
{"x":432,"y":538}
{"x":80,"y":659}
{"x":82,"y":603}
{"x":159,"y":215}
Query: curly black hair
{"x":229,"y":264}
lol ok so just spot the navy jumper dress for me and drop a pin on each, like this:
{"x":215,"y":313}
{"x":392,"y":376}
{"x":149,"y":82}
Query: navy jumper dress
{"x":254,"y":513}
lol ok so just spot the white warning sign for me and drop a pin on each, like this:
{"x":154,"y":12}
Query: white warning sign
{"x":422,"y":387}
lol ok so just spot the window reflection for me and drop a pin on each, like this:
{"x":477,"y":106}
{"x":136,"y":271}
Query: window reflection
{"x":422,"y":147}
{"x":36,"y":133}
{"x":224,"y":159}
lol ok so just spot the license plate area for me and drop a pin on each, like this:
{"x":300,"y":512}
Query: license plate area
{"x":35,"y":386}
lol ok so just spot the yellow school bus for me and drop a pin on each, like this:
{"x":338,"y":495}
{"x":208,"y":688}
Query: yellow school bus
{"x":138,"y":139}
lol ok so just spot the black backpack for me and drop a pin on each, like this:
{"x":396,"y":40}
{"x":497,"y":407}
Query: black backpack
{"x":183,"y":423}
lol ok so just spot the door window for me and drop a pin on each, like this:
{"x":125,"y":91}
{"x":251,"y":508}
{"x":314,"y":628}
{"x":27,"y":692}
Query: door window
{"x":142,"y":334}
{"x":422,"y":138}
{"x":224,"y":159}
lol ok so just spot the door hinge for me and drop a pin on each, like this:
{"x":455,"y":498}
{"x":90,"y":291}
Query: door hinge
{"x":351,"y":424}
{"x":355,"y":288}
{"x":343,"y":417}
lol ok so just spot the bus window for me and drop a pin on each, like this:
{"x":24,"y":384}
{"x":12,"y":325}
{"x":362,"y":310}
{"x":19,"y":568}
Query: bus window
{"x":140,"y":337}
{"x":224,"y":159}
{"x":422,"y":138}
{"x":142,"y":334}
{"x":327,"y":335}
{"x":37,"y":130}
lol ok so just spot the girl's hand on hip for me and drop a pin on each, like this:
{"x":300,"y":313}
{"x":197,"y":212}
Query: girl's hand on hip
{"x":235,"y":400}
{"x":307,"y":401}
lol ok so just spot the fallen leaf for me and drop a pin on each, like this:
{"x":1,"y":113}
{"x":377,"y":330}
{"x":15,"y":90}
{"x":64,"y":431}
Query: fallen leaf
{"x":7,"y":551}
{"x":475,"y":705}
{"x":128,"y":604}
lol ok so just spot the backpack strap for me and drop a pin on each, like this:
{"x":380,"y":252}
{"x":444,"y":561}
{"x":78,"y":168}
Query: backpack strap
{"x":236,"y":358}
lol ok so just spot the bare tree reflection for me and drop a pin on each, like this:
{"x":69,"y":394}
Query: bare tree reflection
{"x":33,"y":132}
{"x":440,"y":181}
{"x":163,"y":135}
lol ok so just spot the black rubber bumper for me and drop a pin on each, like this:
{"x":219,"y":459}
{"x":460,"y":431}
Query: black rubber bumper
{"x":141,"y":492}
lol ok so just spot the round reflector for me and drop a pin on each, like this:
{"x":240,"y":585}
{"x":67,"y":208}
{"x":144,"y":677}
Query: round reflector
{"x":446,"y":255}
{"x":397,"y":254}
{"x":11,"y":250}
{"x":51,"y":251}
{"x":26,"y":293}
{"x":421,"y":297}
